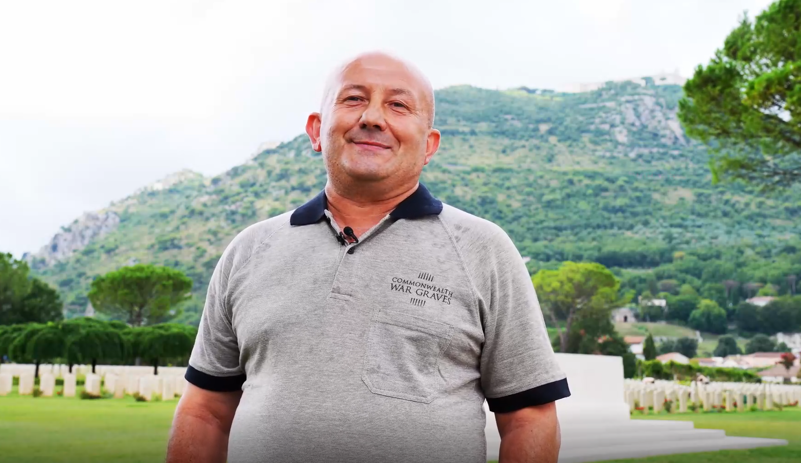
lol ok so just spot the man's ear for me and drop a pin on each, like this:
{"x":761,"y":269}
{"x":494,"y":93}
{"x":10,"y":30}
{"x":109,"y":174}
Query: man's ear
{"x":313,"y":124}
{"x":432,"y":144}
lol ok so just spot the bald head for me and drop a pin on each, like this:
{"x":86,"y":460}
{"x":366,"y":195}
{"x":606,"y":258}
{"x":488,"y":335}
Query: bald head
{"x":382,"y":68}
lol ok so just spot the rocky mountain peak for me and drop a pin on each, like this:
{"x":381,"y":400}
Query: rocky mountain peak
{"x":73,"y":238}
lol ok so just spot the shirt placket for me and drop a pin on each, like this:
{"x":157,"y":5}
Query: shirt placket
{"x":346,"y":277}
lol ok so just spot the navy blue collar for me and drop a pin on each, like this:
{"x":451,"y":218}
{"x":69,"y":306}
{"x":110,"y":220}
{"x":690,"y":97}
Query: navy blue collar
{"x":418,"y":204}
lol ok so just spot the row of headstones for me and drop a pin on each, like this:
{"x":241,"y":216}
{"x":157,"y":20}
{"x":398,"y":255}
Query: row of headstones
{"x":714,"y":395}
{"x":118,"y":385}
{"x":17,"y":369}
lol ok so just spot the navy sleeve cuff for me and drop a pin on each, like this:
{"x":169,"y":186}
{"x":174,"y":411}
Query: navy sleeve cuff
{"x":539,"y":395}
{"x":214,"y":383}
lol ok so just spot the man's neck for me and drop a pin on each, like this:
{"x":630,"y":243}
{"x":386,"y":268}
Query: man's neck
{"x":363,"y":211}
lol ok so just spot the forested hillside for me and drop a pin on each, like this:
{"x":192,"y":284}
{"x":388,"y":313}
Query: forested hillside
{"x":604,"y":176}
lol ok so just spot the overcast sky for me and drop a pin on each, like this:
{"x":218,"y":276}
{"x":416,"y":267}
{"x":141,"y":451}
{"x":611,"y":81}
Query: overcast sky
{"x":99,"y":98}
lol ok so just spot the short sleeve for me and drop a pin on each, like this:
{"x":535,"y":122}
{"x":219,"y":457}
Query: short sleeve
{"x":518,"y":365}
{"x":214,"y":363}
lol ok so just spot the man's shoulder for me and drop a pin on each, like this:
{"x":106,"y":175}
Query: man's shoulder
{"x":248,"y":240}
{"x":471,"y":229}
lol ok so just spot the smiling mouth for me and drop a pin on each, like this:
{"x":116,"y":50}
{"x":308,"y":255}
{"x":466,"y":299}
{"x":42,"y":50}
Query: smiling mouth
{"x":371,"y":145}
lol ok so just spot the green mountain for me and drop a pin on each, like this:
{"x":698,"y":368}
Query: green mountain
{"x":606,"y":175}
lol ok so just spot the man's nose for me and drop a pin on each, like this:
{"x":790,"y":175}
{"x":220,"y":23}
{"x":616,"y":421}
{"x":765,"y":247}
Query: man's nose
{"x":373,"y":117}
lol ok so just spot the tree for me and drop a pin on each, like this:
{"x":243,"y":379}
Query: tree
{"x":708,"y":317}
{"x":649,"y":349}
{"x":24,"y":299}
{"x":730,"y":286}
{"x":717,"y":293}
{"x":745,"y":103}
{"x":8,"y":334}
{"x":747,"y":317}
{"x":576,"y":291}
{"x":667,"y":346}
{"x":727,"y":345}
{"x":782,"y":347}
{"x":680,"y":307}
{"x":760,"y":343}
{"x":687,"y":347}
{"x":668,"y":286}
{"x":164,"y":341}
{"x":780,"y":314}
{"x":787,"y":361}
{"x":38,"y":343}
{"x":42,"y":304}
{"x":90,"y":340}
{"x":140,"y":294}
{"x":752,"y":288}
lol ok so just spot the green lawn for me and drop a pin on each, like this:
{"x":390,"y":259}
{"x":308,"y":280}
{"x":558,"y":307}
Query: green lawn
{"x":656,"y":329}
{"x":785,"y":424}
{"x":56,"y":429}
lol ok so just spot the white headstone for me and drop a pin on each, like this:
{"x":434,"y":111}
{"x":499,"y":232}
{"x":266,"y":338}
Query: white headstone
{"x":92,"y":384}
{"x":6,"y":383}
{"x":180,"y":386}
{"x":132,"y":384}
{"x":682,"y":402}
{"x":69,"y":385}
{"x":111,"y":383}
{"x":119,"y":387}
{"x":659,"y":398}
{"x":25,"y":385}
{"x":168,"y":388}
{"x":644,"y":400}
{"x":47,"y":384}
{"x":146,"y":387}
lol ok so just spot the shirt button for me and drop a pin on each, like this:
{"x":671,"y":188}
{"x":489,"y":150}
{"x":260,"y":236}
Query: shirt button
{"x":350,"y":251}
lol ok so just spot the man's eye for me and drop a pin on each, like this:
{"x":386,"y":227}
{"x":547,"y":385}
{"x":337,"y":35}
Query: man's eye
{"x":353,"y":98}
{"x":398,"y":104}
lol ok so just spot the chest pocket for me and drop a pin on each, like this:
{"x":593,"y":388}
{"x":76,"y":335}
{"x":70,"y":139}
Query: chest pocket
{"x":402,"y":356}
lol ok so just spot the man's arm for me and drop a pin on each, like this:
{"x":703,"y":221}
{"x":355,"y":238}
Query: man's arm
{"x":201,"y":426}
{"x":529,"y":435}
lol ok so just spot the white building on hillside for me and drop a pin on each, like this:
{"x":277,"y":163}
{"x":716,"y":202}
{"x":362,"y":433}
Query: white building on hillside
{"x":793,"y":341}
{"x":760,"y":301}
{"x":673,"y":357}
{"x":624,"y":315}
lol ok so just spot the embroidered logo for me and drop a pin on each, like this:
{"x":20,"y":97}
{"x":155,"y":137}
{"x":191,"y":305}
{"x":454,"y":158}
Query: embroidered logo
{"x":422,"y":288}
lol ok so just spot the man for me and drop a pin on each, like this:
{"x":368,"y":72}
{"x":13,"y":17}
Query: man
{"x":370,"y":324}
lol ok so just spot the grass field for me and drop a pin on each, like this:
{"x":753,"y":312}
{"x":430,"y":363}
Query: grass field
{"x":656,"y":329}
{"x":785,"y":424}
{"x":67,"y":430}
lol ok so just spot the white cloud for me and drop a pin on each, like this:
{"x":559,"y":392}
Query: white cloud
{"x":98,"y":98}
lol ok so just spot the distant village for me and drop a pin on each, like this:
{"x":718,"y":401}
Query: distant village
{"x":766,"y":362}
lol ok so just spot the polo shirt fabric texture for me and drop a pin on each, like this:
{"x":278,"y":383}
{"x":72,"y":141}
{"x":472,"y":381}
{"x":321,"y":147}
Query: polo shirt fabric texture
{"x":385,"y":353}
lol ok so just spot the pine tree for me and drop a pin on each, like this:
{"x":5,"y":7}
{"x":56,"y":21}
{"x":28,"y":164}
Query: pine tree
{"x":649,"y":349}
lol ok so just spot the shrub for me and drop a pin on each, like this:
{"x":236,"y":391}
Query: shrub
{"x":138,"y":397}
{"x":668,"y":405}
{"x":89,"y":396}
{"x":753,"y":408}
{"x":37,"y":392}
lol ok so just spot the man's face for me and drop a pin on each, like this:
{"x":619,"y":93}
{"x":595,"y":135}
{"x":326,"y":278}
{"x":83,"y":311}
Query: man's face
{"x":375,"y":123}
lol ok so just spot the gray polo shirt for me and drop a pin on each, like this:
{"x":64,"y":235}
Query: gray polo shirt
{"x":381,"y":350}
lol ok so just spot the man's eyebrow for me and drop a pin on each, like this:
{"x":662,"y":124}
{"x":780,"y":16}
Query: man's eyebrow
{"x":401,"y":91}
{"x":358,"y":87}
{"x":363,"y":88}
